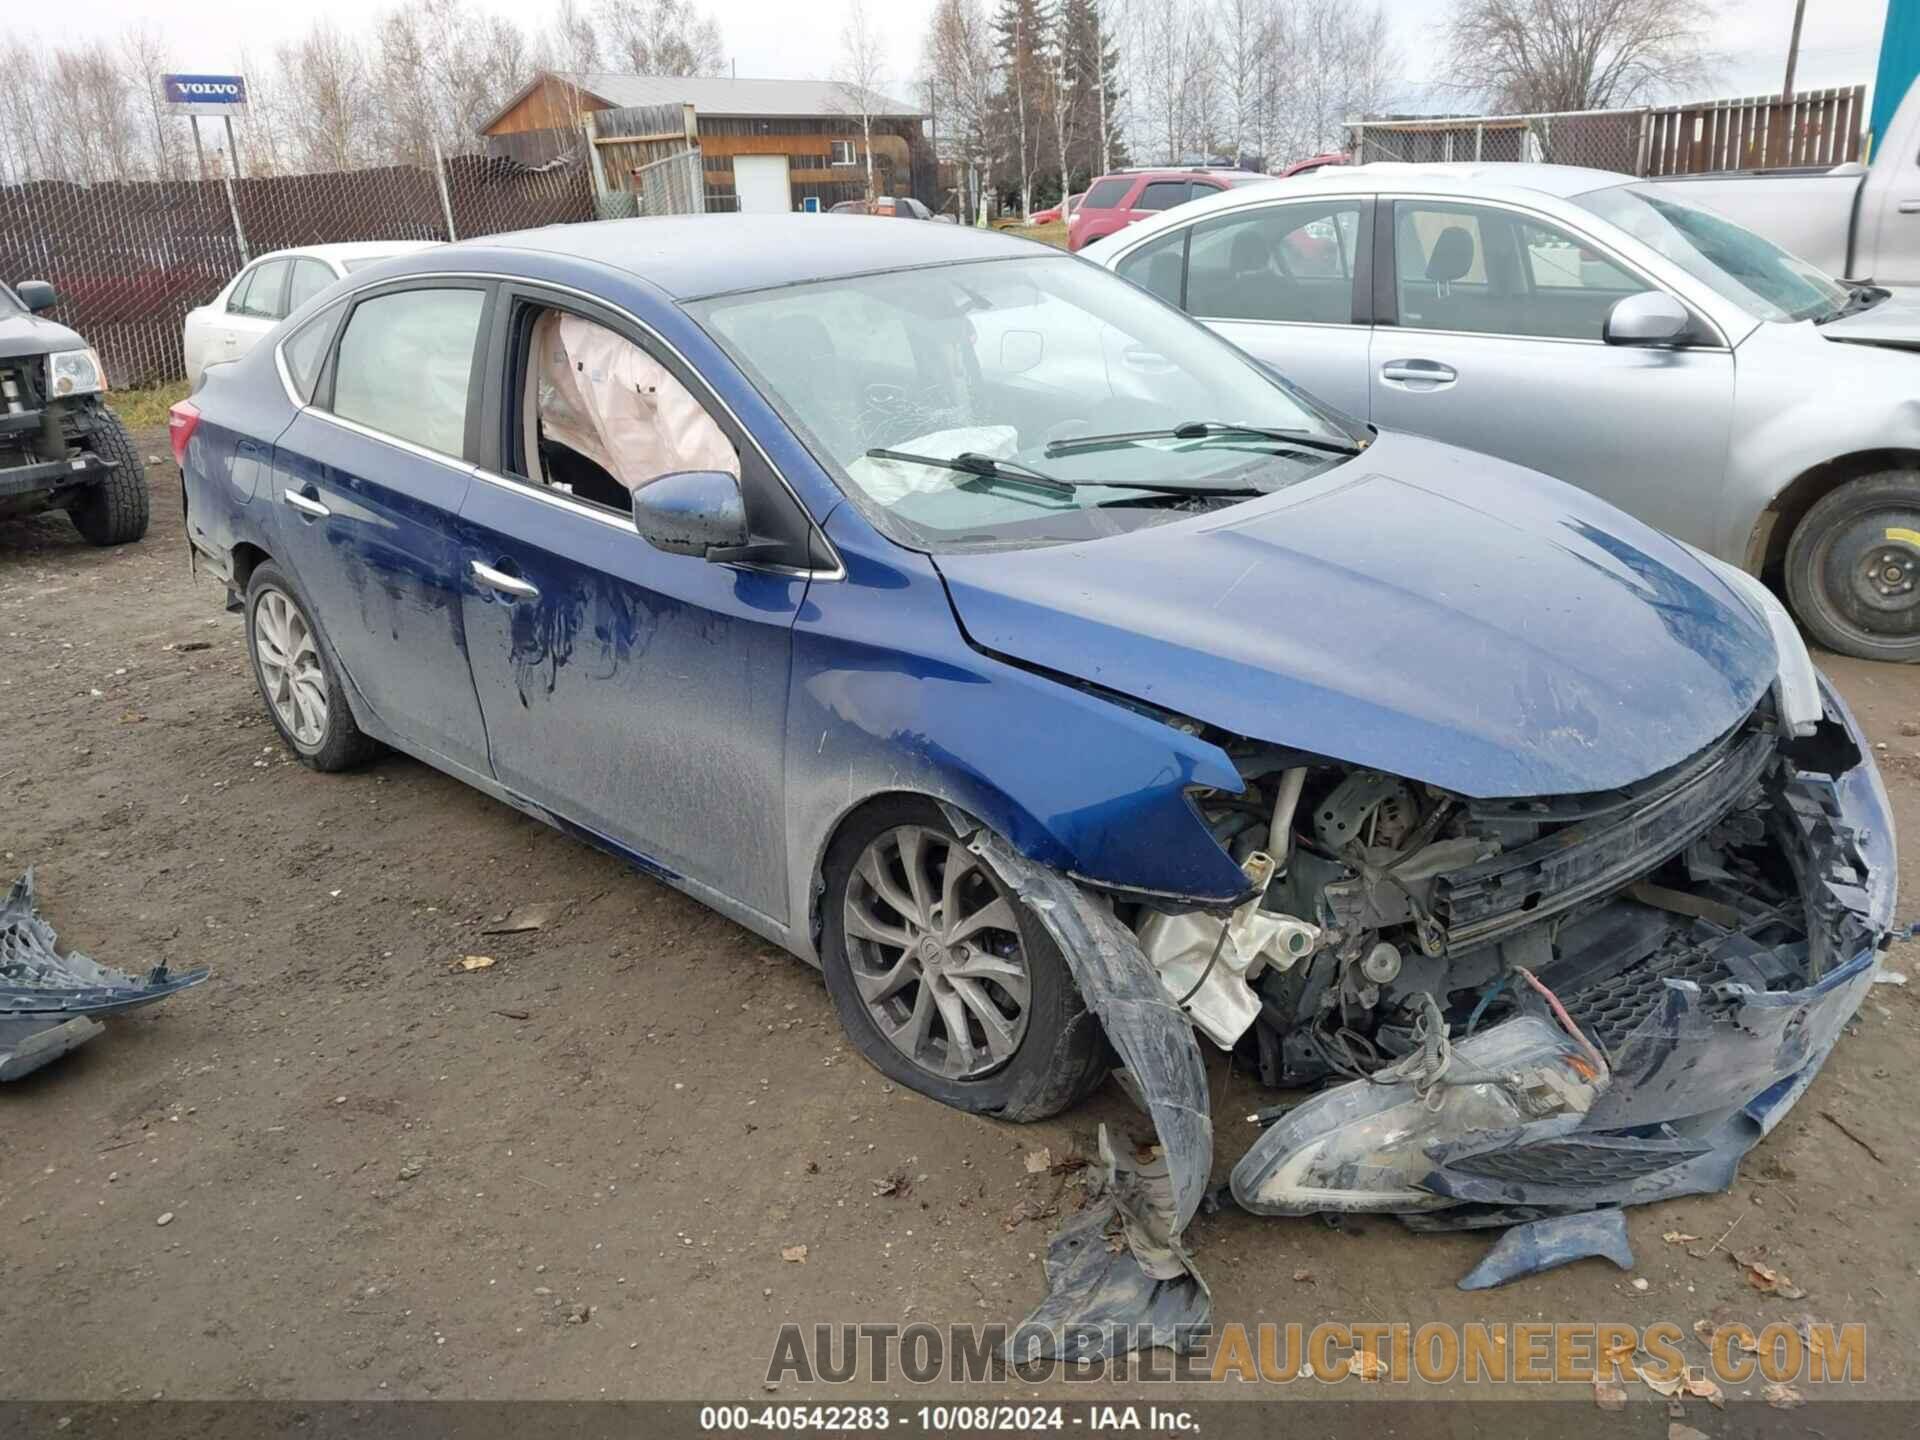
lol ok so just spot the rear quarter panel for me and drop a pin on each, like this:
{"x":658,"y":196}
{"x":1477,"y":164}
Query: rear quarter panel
{"x":243,"y":409}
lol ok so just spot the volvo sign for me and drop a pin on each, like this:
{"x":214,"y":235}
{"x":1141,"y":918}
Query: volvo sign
{"x":205,"y":94}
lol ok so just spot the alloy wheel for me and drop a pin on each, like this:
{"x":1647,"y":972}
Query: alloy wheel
{"x":934,"y":947}
{"x":291,"y":675}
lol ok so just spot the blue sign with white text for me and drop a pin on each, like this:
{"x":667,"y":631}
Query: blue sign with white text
{"x":205,"y":94}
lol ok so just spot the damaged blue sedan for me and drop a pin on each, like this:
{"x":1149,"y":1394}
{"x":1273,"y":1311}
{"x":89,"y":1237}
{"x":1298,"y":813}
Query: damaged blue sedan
{"x":1077,"y":694}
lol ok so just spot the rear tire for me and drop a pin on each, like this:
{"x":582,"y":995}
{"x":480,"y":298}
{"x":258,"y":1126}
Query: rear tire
{"x":1059,"y":1052}
{"x":113,"y":511}
{"x":297,"y":677}
{"x":1853,"y":568}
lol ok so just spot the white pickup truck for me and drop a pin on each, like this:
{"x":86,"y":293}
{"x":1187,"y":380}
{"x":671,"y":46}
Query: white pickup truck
{"x":1860,"y":222}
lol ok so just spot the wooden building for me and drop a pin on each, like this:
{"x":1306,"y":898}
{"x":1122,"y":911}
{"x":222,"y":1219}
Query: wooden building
{"x":764,"y":145}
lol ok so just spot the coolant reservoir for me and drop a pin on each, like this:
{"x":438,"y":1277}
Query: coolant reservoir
{"x":1179,"y":946}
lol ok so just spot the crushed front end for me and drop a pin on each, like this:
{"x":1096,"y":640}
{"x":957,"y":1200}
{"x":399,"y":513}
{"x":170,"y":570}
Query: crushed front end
{"x":1536,"y":1007}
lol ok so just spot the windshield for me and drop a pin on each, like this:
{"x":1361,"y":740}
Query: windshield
{"x":1751,"y":271}
{"x":1001,"y":362}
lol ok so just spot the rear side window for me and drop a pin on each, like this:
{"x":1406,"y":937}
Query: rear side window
{"x":1162,"y":195}
{"x":1283,"y":262}
{"x":1106,"y":194}
{"x":405,"y":365}
{"x":259,"y":294}
{"x":305,"y":351}
{"x":1156,"y":266}
{"x":309,"y":278}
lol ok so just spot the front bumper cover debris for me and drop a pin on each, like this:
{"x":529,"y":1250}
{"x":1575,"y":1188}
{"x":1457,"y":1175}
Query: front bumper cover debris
{"x":51,"y":1003}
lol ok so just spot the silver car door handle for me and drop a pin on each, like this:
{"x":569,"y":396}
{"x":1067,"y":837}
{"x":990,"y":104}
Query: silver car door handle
{"x":1418,"y":370}
{"x":304,"y":505}
{"x":506,"y":584}
{"x":1910,"y":207}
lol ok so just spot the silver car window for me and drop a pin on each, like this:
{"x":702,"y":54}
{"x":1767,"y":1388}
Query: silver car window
{"x":1280,"y":262}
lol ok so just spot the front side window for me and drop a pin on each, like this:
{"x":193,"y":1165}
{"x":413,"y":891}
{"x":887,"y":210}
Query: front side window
{"x":1280,"y":262}
{"x":405,"y":365}
{"x":1106,"y":193}
{"x":1067,"y":378}
{"x":1499,"y":272}
{"x":1162,"y":195}
{"x":1748,"y":269}
{"x":600,"y":417}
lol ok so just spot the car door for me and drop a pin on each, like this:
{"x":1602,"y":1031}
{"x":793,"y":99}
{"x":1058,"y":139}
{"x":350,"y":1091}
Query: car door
{"x":1488,"y":335}
{"x":257,"y":303}
{"x":638,"y":694}
{"x":1281,"y":281}
{"x":366,"y":490}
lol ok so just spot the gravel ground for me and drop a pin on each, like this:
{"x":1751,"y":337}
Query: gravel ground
{"x":386,"y":1179}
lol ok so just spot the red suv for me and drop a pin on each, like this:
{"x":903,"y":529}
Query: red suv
{"x":1115,"y":201}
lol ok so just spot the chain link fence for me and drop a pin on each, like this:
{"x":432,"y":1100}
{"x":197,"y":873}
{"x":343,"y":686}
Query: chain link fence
{"x":129,"y":259}
{"x":1816,"y":129}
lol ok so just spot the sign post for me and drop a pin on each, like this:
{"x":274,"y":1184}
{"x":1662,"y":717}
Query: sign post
{"x":197,"y":95}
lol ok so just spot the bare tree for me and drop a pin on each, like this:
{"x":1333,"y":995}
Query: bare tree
{"x":1538,"y":55}
{"x":1341,"y":64}
{"x":660,"y":37}
{"x":143,"y":60}
{"x":330,"y":100}
{"x":1177,"y":70}
{"x":860,"y":72}
{"x":960,"y":66}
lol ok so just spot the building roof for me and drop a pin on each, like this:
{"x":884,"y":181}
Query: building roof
{"x":715,"y":95}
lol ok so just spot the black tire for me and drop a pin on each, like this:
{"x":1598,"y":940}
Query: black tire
{"x":113,"y":511}
{"x":338,"y":744}
{"x":1062,"y":1054}
{"x":1853,"y":568}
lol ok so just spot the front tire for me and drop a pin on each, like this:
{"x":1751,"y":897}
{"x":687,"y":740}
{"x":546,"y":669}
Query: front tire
{"x":1853,"y":568}
{"x":943,"y":978}
{"x":113,"y":511}
{"x":297,"y":677}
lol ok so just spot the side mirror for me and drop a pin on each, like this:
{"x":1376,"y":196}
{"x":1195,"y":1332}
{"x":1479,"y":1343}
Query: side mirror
{"x":1652,"y":317}
{"x":700,"y":513}
{"x":36,"y":295}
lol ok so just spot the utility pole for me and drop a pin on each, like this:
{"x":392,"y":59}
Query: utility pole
{"x":1793,"y":48}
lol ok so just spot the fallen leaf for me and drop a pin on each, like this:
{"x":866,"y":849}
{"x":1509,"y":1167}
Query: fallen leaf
{"x":1305,"y":1277}
{"x":526,"y":917}
{"x":1766,"y":1278}
{"x":1782,"y":1396}
{"x":1609,"y":1394}
{"x":471,"y":962}
{"x":898,"y":1185}
{"x":1368,"y":1365}
{"x":1668,"y":1387}
{"x":1700,"y":1385}
{"x":1677,"y":1431}
{"x":794,"y":1254}
{"x":1039,"y":1161}
{"x":1706,"y":1331}
{"x":1679,"y":1237}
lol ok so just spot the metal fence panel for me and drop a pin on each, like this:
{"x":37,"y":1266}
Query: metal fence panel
{"x":673,"y":186}
{"x":129,"y":259}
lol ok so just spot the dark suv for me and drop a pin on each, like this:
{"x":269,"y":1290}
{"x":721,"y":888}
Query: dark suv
{"x":1115,"y":201}
{"x":61,"y":448}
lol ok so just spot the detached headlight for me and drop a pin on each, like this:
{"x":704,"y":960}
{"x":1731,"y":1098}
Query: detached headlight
{"x":1796,"y":685}
{"x":74,"y":372}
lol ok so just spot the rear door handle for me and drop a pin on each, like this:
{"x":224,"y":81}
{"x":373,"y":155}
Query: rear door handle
{"x":506,"y":584}
{"x":305,"y":504}
{"x":1910,"y":207}
{"x":1431,"y":371}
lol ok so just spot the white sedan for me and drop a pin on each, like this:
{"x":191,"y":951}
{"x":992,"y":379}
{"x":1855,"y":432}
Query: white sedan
{"x":271,"y":288}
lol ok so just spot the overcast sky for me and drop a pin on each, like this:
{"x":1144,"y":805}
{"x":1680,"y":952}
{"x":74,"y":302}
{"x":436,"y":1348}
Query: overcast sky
{"x":1839,"y":46}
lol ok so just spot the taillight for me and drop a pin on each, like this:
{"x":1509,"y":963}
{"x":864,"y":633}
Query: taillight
{"x":182,"y":419}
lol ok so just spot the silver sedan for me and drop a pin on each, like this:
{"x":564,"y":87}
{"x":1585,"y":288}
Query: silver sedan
{"x":1598,"y":328}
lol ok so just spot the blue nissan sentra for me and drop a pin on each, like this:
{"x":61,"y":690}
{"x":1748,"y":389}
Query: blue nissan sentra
{"x":1074,"y":691}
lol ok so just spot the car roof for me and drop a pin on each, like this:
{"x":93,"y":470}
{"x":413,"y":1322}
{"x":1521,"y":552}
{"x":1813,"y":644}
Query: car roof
{"x":342,"y":251}
{"x":693,"y":256}
{"x":1467,"y":179}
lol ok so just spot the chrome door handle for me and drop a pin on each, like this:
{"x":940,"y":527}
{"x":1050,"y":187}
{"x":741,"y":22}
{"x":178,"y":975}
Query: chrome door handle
{"x":1430,"y":370}
{"x":1910,"y":207}
{"x":506,"y":584}
{"x":304,"y":505}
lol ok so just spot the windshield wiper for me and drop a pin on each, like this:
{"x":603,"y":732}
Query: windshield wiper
{"x":970,"y":462}
{"x":1859,"y":297}
{"x":1200,"y":430}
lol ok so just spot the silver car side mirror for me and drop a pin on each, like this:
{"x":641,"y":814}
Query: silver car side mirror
{"x":1652,"y":317}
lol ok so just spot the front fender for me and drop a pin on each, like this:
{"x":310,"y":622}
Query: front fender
{"x":887,"y":697}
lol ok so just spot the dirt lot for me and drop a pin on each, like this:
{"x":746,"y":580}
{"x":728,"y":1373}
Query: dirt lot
{"x":386,"y":1179}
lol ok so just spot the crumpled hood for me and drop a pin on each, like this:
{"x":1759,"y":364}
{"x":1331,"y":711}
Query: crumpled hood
{"x":1894,"y":322}
{"x":31,"y":335}
{"x":1419,"y":609}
